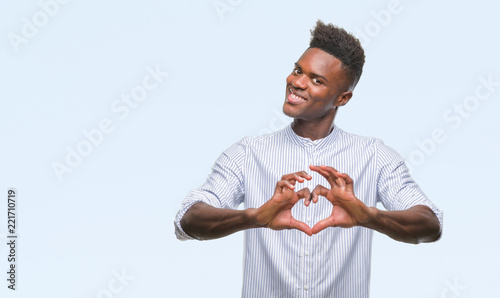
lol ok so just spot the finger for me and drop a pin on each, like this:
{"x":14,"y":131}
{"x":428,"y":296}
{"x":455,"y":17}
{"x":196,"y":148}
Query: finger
{"x":292,"y":178}
{"x":318,"y":169}
{"x":298,"y":176}
{"x":314,"y":168}
{"x":333,"y":173}
{"x":281,"y":185}
{"x":329,"y":169}
{"x":304,"y":175}
{"x":295,"y":224}
{"x":323,"y":224}
{"x":319,"y":190}
{"x":305,"y":193}
{"x":340,"y":181}
{"x":348,"y":180}
{"x":329,"y":176}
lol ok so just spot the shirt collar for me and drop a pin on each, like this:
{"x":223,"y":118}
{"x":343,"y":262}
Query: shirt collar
{"x":316,"y":144}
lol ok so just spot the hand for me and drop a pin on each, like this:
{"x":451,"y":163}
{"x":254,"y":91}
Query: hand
{"x":276,"y":213}
{"x":348,"y":211}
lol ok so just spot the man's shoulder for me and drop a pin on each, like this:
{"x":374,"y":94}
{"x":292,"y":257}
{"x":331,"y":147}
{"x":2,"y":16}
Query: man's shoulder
{"x":272,"y":137}
{"x":352,"y":138}
{"x":373,"y":144}
{"x":252,"y":141}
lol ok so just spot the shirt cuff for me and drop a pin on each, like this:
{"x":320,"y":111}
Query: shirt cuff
{"x":179,"y":232}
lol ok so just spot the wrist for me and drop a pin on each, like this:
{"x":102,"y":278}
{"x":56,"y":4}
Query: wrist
{"x":371,"y":218}
{"x":252,"y":215}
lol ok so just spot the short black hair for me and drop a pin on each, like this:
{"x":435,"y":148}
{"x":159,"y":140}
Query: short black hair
{"x":343,"y":46}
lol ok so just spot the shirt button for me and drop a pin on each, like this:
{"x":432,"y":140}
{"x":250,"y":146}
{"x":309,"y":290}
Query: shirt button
{"x":307,"y":252}
{"x":306,"y":287}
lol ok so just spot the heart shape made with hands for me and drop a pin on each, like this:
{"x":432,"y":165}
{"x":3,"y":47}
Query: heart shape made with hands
{"x":346,"y":212}
{"x":337,"y":216}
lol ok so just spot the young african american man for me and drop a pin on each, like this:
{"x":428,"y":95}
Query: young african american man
{"x":283,"y":255}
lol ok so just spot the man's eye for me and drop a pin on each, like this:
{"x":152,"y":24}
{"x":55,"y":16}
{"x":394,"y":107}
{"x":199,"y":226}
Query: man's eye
{"x":317,"y":81}
{"x":296,"y":71}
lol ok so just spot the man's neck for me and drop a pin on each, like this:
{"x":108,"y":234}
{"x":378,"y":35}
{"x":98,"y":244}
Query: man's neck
{"x":314,"y":130}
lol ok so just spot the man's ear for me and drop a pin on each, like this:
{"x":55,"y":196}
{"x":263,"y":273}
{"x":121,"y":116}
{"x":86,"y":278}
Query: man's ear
{"x":343,"y":98}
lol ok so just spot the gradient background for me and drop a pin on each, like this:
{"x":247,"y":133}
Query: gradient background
{"x":226,"y":80}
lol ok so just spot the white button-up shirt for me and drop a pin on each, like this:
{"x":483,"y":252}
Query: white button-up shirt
{"x":289,"y":263}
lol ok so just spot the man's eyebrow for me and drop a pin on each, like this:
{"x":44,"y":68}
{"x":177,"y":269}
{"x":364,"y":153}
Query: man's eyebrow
{"x":312,"y":73}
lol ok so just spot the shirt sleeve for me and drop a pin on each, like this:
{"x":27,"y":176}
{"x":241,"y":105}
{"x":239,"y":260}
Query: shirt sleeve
{"x":396,"y":188}
{"x":224,"y":187}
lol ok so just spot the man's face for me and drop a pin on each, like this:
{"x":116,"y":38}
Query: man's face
{"x":316,"y":86}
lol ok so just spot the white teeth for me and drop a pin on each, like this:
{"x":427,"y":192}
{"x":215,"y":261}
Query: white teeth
{"x":296,"y":98}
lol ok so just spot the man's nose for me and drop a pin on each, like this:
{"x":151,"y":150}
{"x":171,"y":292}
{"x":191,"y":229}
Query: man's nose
{"x":300,"y":82}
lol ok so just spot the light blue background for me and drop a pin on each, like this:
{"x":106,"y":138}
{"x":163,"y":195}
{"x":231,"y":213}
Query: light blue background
{"x":226,"y":80}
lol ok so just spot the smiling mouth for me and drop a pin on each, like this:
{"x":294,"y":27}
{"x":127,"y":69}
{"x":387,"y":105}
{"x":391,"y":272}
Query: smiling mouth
{"x":294,"y":98}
